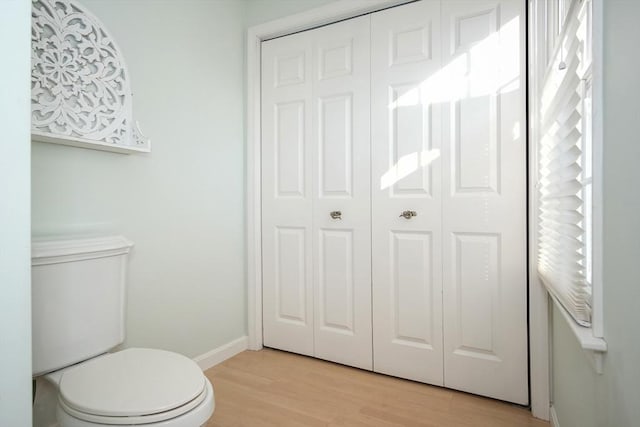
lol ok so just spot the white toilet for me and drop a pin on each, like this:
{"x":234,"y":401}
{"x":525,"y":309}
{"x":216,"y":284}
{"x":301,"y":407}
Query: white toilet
{"x":78,"y":306}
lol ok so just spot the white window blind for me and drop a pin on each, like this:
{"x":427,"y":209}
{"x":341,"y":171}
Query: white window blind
{"x":564,"y":257}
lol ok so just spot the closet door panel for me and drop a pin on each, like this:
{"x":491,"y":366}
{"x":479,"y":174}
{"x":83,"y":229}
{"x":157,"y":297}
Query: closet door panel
{"x":484,"y":199}
{"x":406,"y":138}
{"x":412,"y":286}
{"x":287,"y":195}
{"x":335,"y":150}
{"x":341,"y":173}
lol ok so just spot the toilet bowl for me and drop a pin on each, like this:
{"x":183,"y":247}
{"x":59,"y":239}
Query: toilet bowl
{"x":135,"y":386}
{"x":78,"y":294}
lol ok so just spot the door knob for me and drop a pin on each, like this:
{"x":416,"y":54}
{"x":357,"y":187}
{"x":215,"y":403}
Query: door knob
{"x":408,"y":214}
{"x":336,"y":214}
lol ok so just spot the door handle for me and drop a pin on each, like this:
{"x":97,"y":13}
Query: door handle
{"x":408,"y":214}
{"x":335,"y":214}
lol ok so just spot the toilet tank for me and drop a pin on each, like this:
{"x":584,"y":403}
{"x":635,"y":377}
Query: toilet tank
{"x":77,"y":299}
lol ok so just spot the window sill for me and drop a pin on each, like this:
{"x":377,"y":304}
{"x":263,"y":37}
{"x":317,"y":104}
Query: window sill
{"x":594,"y":347}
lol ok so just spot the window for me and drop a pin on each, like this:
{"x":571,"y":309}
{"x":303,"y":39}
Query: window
{"x":565,"y":234}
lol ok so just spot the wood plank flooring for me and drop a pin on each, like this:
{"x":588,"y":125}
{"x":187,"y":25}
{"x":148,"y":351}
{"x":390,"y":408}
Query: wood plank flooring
{"x":275,"y":388}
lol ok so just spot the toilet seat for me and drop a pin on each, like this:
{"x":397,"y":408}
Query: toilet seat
{"x":134,"y":386}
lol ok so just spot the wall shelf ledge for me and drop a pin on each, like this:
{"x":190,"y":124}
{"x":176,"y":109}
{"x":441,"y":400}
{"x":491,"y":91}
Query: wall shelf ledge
{"x":80,"y":87}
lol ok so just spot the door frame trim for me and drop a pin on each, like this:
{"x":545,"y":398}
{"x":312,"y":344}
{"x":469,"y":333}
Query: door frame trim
{"x":333,"y":12}
{"x":539,"y":314}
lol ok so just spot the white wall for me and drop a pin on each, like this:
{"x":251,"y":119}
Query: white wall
{"x":581,"y":397}
{"x":15,"y":259}
{"x":260,"y":11}
{"x":182,"y":204}
{"x":573,"y":380}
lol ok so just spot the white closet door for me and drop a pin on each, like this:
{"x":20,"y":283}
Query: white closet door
{"x":341,"y":183}
{"x":406,"y":140}
{"x":286,"y":194}
{"x":446,"y":91}
{"x":484,"y":198}
{"x":315,"y":162}
{"x":448,"y":143}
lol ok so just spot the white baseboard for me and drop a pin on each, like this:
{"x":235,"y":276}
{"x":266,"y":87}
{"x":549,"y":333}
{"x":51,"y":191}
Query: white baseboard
{"x":222,"y":353}
{"x":554,"y":417}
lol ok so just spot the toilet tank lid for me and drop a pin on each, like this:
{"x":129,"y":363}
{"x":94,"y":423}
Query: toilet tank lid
{"x":53,"y":251}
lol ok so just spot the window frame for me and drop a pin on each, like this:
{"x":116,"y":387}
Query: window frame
{"x":590,"y":338}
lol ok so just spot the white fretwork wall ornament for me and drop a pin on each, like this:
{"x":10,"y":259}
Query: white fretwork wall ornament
{"x":80,"y":92}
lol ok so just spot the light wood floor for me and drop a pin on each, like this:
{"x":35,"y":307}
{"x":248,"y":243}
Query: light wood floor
{"x":274,"y":388}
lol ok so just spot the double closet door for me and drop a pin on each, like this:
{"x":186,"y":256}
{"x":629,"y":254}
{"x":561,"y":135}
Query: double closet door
{"x":394,"y":194}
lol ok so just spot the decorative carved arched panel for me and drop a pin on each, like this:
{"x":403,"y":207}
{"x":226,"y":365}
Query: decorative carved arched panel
{"x":80,"y":90}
